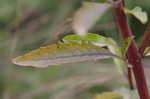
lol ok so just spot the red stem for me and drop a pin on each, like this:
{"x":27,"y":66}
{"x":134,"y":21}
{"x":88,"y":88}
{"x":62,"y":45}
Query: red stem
{"x":130,"y":78}
{"x":132,"y":54}
{"x":145,"y":41}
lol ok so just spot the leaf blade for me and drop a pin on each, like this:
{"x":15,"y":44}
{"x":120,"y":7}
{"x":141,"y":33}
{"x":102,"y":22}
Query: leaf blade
{"x":102,"y":41}
{"x":61,"y":53}
{"x":109,"y":95}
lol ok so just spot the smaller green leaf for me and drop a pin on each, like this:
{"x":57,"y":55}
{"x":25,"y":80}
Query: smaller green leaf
{"x":95,"y":39}
{"x":109,"y":95}
{"x":87,"y":37}
{"x":126,"y":45}
{"x":138,"y":13}
{"x":101,"y":41}
{"x":147,"y":51}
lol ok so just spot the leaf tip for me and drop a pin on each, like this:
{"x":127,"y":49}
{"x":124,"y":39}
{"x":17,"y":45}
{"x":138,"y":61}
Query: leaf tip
{"x":16,"y":62}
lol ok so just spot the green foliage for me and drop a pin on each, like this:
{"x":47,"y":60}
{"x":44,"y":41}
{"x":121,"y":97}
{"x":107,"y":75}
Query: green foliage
{"x":87,"y":37}
{"x":109,"y":95}
{"x":138,"y":13}
{"x":102,"y":41}
{"x":126,"y":45}
{"x":97,"y":40}
{"x":59,"y":53}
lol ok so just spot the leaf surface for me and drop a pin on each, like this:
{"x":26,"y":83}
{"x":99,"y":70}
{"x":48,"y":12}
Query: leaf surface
{"x":109,"y":95}
{"x":138,"y":13}
{"x":63,"y":52}
{"x":102,"y":41}
{"x":87,"y":37}
{"x":126,"y":45}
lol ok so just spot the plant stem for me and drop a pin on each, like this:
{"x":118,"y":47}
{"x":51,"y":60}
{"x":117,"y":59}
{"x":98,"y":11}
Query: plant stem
{"x":133,"y":55}
{"x":130,"y":78}
{"x":145,"y":41}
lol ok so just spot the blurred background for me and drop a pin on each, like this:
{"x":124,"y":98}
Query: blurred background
{"x":29,"y":24}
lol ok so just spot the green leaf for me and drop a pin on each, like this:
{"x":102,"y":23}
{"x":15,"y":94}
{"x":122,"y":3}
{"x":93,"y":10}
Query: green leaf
{"x":88,"y":15}
{"x":126,"y":45}
{"x":95,"y":39}
{"x":60,"y":53}
{"x":138,"y":13}
{"x":87,"y":37}
{"x":115,"y":49}
{"x":109,"y":95}
{"x":147,"y":51}
{"x":102,"y":41}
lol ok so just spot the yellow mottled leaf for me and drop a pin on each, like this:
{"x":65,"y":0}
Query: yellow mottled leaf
{"x":63,"y":52}
{"x":109,"y":95}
